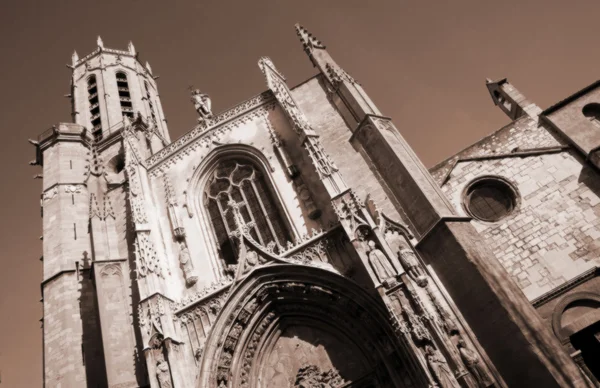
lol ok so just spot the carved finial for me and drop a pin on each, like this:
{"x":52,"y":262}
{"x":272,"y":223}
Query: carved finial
{"x":148,"y":67}
{"x":488,"y":81}
{"x":99,"y":42}
{"x":131,"y":48}
{"x":74,"y":58}
{"x":308,"y":40}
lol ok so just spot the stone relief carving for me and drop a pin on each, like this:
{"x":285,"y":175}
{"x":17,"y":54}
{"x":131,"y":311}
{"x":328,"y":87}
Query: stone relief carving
{"x":348,"y":209}
{"x":108,"y":209}
{"x":147,"y":259}
{"x":50,"y":194}
{"x":150,"y":313}
{"x":73,"y":189}
{"x":322,"y":161}
{"x":310,"y":376}
{"x":94,"y":207}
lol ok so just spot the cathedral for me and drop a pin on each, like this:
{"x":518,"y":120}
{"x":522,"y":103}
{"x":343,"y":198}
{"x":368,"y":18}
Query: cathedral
{"x":296,"y":240}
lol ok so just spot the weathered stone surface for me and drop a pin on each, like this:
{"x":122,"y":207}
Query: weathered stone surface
{"x":284,"y":242}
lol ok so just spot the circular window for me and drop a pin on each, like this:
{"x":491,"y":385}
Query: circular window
{"x":490,"y":199}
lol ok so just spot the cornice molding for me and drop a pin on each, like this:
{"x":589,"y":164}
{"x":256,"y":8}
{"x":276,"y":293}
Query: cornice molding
{"x":202,"y":135}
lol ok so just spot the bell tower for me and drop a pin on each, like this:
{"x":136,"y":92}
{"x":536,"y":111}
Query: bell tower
{"x":109,"y":84}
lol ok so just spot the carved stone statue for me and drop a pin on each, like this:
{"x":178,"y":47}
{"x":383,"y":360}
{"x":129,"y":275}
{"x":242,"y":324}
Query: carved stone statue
{"x":439,"y":368}
{"x":202,"y":104}
{"x":163,"y":373}
{"x":381,"y":265}
{"x":413,"y":268}
{"x":185,"y":262}
{"x":473,"y":363}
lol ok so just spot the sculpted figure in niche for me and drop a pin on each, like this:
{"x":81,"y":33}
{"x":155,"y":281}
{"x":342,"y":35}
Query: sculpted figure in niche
{"x":411,"y":264}
{"x":202,"y":104}
{"x":473,"y":363}
{"x":163,"y":372}
{"x":439,"y":368}
{"x":382,"y":267}
{"x":407,"y":257}
{"x":185,"y":262}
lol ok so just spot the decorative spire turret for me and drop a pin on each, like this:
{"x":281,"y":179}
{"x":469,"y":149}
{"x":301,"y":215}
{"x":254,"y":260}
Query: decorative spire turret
{"x":131,"y":48}
{"x":148,"y":67}
{"x":309,"y":41}
{"x":99,"y":42}
{"x":337,"y":77}
{"x":74,"y":58}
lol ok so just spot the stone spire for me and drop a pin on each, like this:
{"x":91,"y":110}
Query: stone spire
{"x":131,"y":48}
{"x":309,"y":41}
{"x":99,"y":42}
{"x":74,"y":58}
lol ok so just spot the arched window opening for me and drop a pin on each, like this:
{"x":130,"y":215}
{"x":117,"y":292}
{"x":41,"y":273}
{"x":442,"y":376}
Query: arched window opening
{"x":242,"y":182}
{"x":592,"y":112}
{"x":502,"y":100}
{"x":148,"y":97}
{"x":124,"y":95}
{"x":94,"y":108}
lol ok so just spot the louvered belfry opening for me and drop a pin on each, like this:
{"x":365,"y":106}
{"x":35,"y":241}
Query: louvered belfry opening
{"x":94,"y":108}
{"x":150,"y":104}
{"x":240,"y":181}
{"x":124,"y":95}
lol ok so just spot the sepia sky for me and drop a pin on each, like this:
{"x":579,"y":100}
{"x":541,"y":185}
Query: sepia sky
{"x":423,"y":62}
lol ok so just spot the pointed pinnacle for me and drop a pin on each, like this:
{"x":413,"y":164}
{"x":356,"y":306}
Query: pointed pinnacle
{"x":74,"y":58}
{"x":131,"y":48}
{"x":308,"y":40}
{"x":100,"y":42}
{"x":488,"y":81}
{"x":148,"y":67}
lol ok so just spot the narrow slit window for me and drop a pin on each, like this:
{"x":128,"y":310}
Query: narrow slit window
{"x":94,"y":109}
{"x":150,"y":104}
{"x":124,"y":95}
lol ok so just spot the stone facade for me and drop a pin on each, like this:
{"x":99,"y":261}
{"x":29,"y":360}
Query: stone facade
{"x":296,"y":240}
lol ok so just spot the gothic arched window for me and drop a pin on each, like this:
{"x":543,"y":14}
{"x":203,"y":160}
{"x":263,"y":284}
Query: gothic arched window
{"x":94,"y":108}
{"x":124,"y":95}
{"x":240,"y":181}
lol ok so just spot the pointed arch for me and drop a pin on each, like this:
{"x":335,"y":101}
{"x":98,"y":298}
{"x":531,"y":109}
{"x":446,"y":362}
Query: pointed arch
{"x":265,"y":213}
{"x":271,"y":300}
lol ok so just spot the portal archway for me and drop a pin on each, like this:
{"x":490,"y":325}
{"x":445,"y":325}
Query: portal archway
{"x":300,"y":326}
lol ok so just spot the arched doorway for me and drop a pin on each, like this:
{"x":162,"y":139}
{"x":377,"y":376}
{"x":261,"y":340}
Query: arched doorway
{"x":577,"y":322}
{"x":294,"y":326}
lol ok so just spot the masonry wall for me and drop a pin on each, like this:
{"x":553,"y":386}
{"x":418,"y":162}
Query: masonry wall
{"x":554,"y":233}
{"x":63,"y":352}
{"x":335,"y":138}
